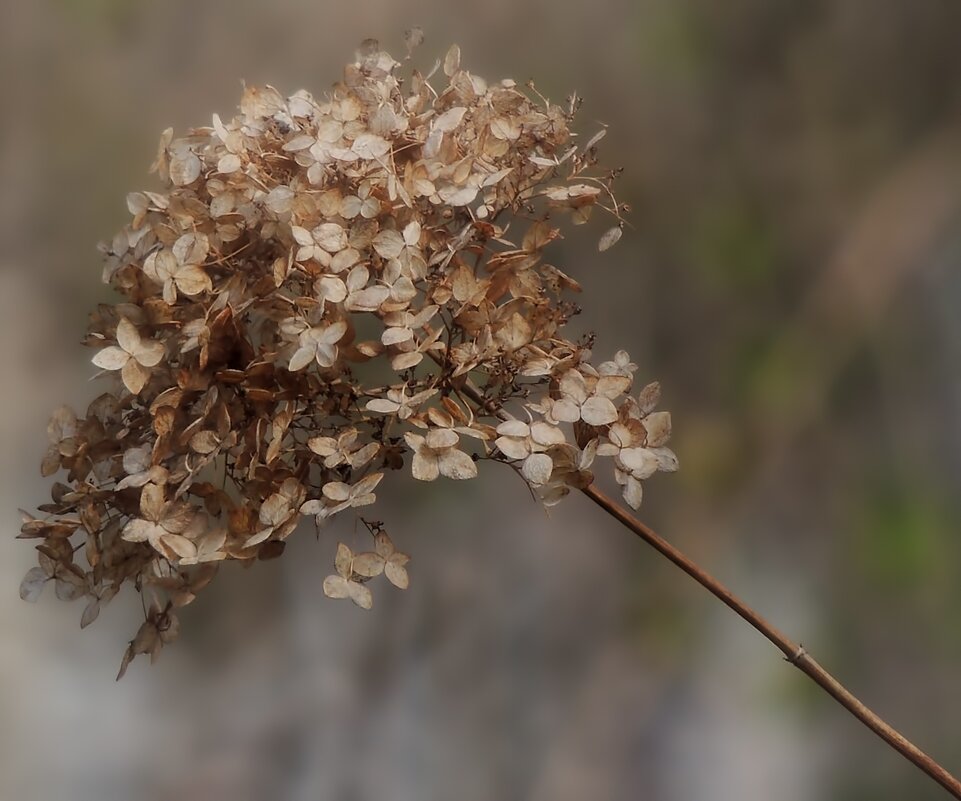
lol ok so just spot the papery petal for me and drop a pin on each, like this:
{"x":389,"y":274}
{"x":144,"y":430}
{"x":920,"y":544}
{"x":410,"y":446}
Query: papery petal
{"x":537,"y":468}
{"x":513,"y":447}
{"x":128,"y":337}
{"x":514,"y":428}
{"x":633,"y":492}
{"x":565,"y":411}
{"x":424,"y":466}
{"x":149,"y":353}
{"x":598,"y":411}
{"x":397,"y":575}
{"x":301,"y":358}
{"x":134,"y":376}
{"x":111,"y":358}
{"x":456,"y":464}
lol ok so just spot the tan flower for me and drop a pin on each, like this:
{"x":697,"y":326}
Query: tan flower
{"x":318,"y":344}
{"x":371,"y":233}
{"x":398,"y":402}
{"x":343,"y":585}
{"x":588,"y":401}
{"x":437,"y":455}
{"x":131,"y":355}
{"x":161,"y":523}
{"x":347,"y":448}
{"x":383,"y":559}
{"x":338,"y":496}
{"x":179,"y":269}
{"x":279,"y":513}
{"x":529,"y":443}
{"x":62,"y":432}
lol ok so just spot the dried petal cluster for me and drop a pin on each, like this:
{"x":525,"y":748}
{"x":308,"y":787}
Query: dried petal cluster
{"x":323,"y":291}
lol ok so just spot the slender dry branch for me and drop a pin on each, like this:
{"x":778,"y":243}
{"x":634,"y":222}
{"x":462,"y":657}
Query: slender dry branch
{"x":793,"y":652}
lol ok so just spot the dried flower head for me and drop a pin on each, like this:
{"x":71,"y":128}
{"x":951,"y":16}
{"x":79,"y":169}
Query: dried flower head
{"x":323,"y":290}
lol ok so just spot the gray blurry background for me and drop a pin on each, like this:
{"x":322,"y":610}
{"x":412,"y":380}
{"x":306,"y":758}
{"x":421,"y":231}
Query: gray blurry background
{"x":794,"y":280}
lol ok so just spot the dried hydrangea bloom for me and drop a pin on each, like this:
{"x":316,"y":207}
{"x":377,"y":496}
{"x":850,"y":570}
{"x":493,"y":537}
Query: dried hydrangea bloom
{"x":397,"y":228}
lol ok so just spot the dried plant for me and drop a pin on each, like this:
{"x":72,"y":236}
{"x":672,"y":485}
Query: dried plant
{"x":322,"y":292}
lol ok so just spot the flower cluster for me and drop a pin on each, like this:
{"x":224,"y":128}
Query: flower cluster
{"x":323,"y":291}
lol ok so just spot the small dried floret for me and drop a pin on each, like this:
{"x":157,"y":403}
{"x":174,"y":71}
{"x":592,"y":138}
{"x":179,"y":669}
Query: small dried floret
{"x":286,"y":248}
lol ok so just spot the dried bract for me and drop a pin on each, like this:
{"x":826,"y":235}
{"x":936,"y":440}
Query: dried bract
{"x":390,"y":222}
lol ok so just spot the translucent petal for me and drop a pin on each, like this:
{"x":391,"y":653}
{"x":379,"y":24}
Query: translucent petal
{"x":111,"y":358}
{"x":456,"y":464}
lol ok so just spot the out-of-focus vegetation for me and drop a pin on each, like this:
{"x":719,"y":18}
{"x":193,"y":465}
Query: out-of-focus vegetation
{"x":793,"y":280}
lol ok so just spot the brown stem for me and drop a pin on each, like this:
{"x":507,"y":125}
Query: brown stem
{"x":793,"y":652}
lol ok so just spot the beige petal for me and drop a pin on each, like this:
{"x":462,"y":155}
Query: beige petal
{"x":666,"y":459}
{"x":368,"y":564}
{"x":456,"y":464}
{"x":394,"y":336}
{"x":184,"y":168}
{"x":388,"y":244}
{"x":641,"y":462}
{"x":658,"y":427}
{"x":573,"y":385}
{"x":333,"y":333}
{"x":565,"y":411}
{"x":33,"y":584}
{"x":111,"y":358}
{"x":457,"y":195}
{"x":323,"y":446}
{"x":275,"y":510}
{"x":545,"y":435}
{"x":345,"y":259}
{"x":611,"y":386}
{"x":382,"y":406}
{"x":331,"y":237}
{"x":152,"y":502}
{"x":192,"y":280}
{"x":450,"y":119}
{"x":424,"y":466}
{"x":180,"y":545}
{"x":397,"y":575}
{"x":370,"y":146}
{"x":204,"y":442}
{"x":342,"y":560}
{"x":301,"y":358}
{"x":128,"y":337}
{"x":598,"y":411}
{"x":360,"y":595}
{"x":191,"y":248}
{"x":228,"y":163}
{"x":367,"y":484}
{"x":404,"y":361}
{"x":302,"y":236}
{"x":633,"y":492}
{"x":330,"y":288}
{"x":336,"y":587}
{"x":514,"y":428}
{"x":537,"y":468}
{"x":608,"y":239}
{"x":440,"y":438}
{"x":149,"y":353}
{"x":261,"y":536}
{"x":368,"y":300}
{"x":326,"y":354}
{"x":336,"y":491}
{"x":513,"y":447}
{"x":138,"y":530}
{"x":134,"y":376}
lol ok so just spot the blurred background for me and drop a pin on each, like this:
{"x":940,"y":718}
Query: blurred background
{"x":793,"y":280}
